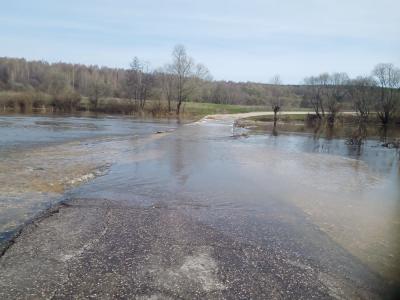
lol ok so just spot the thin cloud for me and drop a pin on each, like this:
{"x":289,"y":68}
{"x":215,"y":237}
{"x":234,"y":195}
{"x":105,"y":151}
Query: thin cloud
{"x":238,"y":40}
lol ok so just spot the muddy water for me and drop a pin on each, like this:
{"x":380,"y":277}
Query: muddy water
{"x":41,"y":158}
{"x":317,"y":200}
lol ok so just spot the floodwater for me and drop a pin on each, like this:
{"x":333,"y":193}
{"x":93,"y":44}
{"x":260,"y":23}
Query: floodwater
{"x":41,"y":158}
{"x":290,"y":185}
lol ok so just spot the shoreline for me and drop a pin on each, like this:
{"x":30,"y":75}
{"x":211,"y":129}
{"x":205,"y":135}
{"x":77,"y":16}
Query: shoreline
{"x":61,"y":197}
{"x":48,"y":212}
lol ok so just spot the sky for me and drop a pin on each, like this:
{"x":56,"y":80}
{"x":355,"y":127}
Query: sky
{"x":239,"y":40}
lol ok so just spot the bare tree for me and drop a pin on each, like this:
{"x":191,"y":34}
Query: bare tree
{"x":167,"y":80}
{"x":388,"y":79}
{"x":362,"y":91}
{"x":316,"y":93}
{"x":336,"y":92}
{"x":202,"y":73}
{"x":276,"y":96}
{"x":138,"y":82}
{"x":182,"y":67}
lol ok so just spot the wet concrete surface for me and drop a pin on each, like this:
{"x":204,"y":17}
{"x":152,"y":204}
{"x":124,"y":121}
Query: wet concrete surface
{"x":92,"y":248}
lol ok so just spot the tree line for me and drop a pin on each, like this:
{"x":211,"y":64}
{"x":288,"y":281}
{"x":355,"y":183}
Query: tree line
{"x":378,"y":93}
{"x":62,"y":86}
{"x":27,"y":85}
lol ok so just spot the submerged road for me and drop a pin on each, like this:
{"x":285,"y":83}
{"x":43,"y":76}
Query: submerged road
{"x":190,"y":224}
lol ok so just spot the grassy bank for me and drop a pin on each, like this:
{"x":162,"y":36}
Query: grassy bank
{"x":309,"y":116}
{"x":202,"y":109}
{"x":35,"y":102}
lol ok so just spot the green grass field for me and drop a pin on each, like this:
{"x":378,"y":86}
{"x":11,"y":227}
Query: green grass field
{"x":202,"y":109}
{"x":281,"y":117}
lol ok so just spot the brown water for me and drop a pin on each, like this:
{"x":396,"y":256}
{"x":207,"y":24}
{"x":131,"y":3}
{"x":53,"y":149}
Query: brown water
{"x":240,"y":184}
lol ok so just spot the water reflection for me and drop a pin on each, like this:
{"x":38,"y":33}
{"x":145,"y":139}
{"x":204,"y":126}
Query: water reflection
{"x":352,"y":191}
{"x":279,"y":186}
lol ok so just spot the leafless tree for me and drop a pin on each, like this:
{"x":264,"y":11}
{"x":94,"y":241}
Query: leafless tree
{"x":167,"y":81}
{"x":187,"y":76}
{"x":276,"y":101}
{"x":316,"y":93}
{"x":182,"y":67}
{"x":202,"y":73}
{"x":138,"y":82}
{"x":388,"y":79}
{"x":362,"y":91}
{"x":336,"y":92}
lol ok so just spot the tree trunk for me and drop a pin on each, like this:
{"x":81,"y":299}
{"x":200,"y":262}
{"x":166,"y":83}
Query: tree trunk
{"x":178,"y":107}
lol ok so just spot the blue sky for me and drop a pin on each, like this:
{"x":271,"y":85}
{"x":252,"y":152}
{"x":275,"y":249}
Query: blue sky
{"x":238,"y":40}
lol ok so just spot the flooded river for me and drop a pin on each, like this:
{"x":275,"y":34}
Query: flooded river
{"x":320,"y":201}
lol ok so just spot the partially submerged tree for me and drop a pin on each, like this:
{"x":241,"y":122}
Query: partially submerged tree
{"x":388,"y":80}
{"x":276,"y":96}
{"x":316,"y":93}
{"x":362,"y":91}
{"x":336,"y":92}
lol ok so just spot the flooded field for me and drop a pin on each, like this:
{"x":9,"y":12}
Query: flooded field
{"x":310,"y":202}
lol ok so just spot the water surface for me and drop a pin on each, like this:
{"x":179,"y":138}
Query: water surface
{"x":42,"y":157}
{"x":290,"y":184}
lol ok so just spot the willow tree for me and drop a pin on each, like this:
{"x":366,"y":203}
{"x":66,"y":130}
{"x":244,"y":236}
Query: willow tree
{"x":362,"y":91}
{"x":316,"y":93}
{"x":388,"y":79}
{"x":276,"y":101}
{"x":336,"y":91}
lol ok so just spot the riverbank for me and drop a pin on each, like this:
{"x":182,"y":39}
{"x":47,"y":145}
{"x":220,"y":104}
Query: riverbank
{"x":44,"y":104}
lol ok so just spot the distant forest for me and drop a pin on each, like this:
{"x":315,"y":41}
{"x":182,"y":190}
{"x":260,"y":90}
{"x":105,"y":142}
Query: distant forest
{"x":39,"y":85}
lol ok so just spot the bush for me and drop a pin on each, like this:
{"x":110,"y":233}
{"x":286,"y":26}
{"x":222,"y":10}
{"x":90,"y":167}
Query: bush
{"x":66,"y":102}
{"x":23,"y":101}
{"x":117,"y":106}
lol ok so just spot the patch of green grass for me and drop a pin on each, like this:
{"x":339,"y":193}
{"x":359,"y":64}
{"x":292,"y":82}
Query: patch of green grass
{"x":202,"y":109}
{"x":283,"y":118}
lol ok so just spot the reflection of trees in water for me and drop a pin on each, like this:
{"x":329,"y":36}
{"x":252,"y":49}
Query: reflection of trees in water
{"x":358,"y":135}
{"x":274,"y":130}
{"x":383,"y":133}
{"x":317,"y":132}
{"x":357,"y":138}
{"x":389,"y":139}
{"x":330,"y":131}
{"x":177,"y":160}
